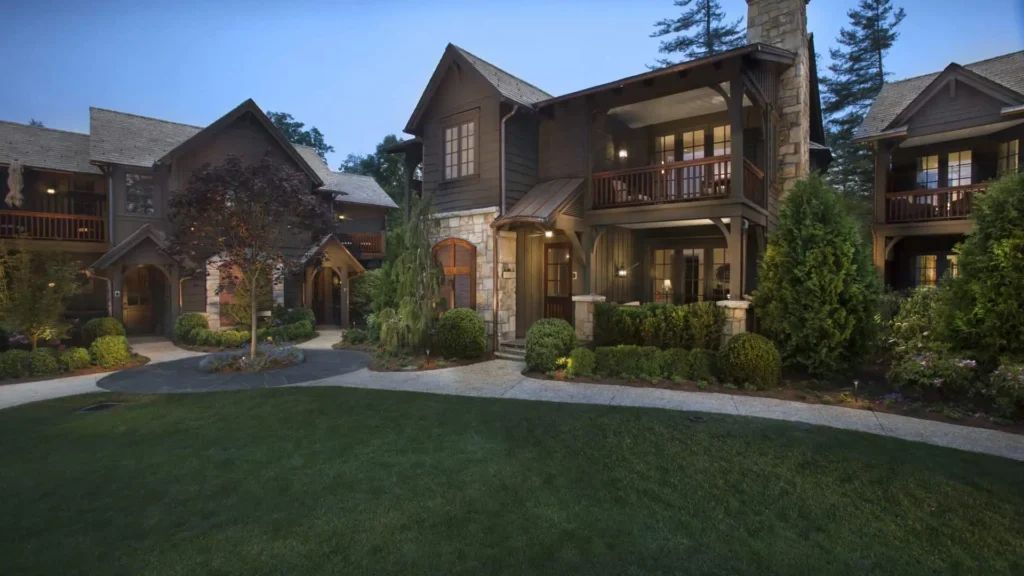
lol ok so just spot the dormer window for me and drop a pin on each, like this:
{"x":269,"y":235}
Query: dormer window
{"x":460,"y":150}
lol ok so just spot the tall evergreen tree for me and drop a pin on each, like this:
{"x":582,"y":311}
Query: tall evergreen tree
{"x":297,"y":133}
{"x":711,"y":34}
{"x":858,"y":73}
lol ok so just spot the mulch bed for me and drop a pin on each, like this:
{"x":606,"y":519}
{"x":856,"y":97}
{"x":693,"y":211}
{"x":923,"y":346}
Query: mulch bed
{"x":420,"y":363}
{"x":871,"y":395}
{"x":135,"y":362}
{"x":212,"y":349}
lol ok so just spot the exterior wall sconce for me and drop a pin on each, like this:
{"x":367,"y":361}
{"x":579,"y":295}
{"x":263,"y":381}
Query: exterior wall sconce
{"x":341,"y":216}
{"x":548,"y":233}
{"x":51,"y":190}
{"x":623,"y":154}
{"x":620,"y":272}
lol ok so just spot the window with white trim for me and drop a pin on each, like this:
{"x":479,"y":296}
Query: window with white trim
{"x":460,"y":150}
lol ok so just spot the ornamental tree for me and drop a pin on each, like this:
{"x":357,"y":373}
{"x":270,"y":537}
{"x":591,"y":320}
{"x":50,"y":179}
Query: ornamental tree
{"x":256,"y":217}
{"x":34,"y":288}
{"x":817,"y":291}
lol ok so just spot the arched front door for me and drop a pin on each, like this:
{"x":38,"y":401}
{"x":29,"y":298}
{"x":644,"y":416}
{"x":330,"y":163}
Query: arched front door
{"x":145,"y":295}
{"x":328,"y":297}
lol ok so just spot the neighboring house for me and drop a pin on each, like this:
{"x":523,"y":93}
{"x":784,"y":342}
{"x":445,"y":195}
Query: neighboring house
{"x":938,"y":140}
{"x":104,"y":197}
{"x":659,"y":187}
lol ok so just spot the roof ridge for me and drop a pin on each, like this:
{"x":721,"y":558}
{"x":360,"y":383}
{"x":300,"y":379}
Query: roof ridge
{"x":502,"y":70}
{"x":43,"y":128}
{"x":937,"y":72}
{"x":146,"y":117}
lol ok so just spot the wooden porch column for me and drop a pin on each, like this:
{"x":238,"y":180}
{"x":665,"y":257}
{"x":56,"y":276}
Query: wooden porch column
{"x":882,"y":155}
{"x":878,"y":251}
{"x":342,"y":273}
{"x":736,"y":124}
{"x":588,"y":260}
{"x":736,"y":258}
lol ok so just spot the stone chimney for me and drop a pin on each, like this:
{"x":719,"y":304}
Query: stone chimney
{"x":783,"y":23}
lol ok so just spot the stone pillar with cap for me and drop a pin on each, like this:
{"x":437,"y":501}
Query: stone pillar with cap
{"x":584,"y":314}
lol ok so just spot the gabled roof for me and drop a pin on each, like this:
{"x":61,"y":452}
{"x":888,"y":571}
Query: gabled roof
{"x":544,"y":202}
{"x":1006,"y":71}
{"x":353,"y":188}
{"x":46,"y":148}
{"x":247,"y":107}
{"x":331,"y":240}
{"x":510,"y":88}
{"x":120,"y":138}
{"x":146,"y":232}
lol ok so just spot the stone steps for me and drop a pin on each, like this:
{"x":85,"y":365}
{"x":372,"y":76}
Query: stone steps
{"x":512,"y":350}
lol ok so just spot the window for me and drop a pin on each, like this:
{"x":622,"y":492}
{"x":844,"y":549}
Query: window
{"x":692,"y":262}
{"x":959,"y":169}
{"x":139,"y":194}
{"x":928,"y":172}
{"x":693,"y":149}
{"x":460,"y":150}
{"x":723,"y":140}
{"x":720,"y":279}
{"x":663,"y":275}
{"x":665,"y":153}
{"x":1008,"y":158}
{"x":925,"y":269}
{"x":952,"y":265}
{"x":458,"y":260}
{"x":722,"y":136}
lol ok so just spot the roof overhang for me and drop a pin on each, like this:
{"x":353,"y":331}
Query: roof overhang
{"x":756,"y":51}
{"x":543,"y":203}
{"x":898,"y":132}
{"x":972,"y":132}
{"x":249,"y":106}
{"x":325,"y":247}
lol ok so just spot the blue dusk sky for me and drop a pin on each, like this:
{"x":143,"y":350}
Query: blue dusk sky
{"x":356,"y":69}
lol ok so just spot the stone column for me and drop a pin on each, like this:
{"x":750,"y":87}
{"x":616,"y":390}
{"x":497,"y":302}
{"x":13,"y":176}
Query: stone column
{"x":506,"y":285}
{"x":212,"y":295}
{"x":278,"y":288}
{"x":735,"y":318}
{"x":584,"y":315}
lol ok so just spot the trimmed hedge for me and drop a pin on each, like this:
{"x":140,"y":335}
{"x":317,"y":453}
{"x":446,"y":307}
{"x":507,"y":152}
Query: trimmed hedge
{"x":15,"y":364}
{"x":188,"y":323}
{"x":110,"y":351}
{"x":582,"y":362}
{"x":650,"y":363}
{"x":288,"y":333}
{"x":218,"y":339}
{"x":696,"y":325}
{"x":547,"y":341}
{"x":43,"y":362}
{"x":461,"y":334}
{"x":296,"y":315}
{"x":99,"y":327}
{"x":751,"y":359}
{"x":356,"y":336}
{"x":71,"y":359}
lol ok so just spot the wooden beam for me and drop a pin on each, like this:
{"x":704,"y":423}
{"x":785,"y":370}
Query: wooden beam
{"x":735,"y":101}
{"x":721,"y":226}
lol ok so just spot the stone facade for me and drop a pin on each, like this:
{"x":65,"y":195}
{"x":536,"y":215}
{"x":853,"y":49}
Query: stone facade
{"x":583,"y":315}
{"x":506,"y":285}
{"x":474,"y":226}
{"x":735,"y":318}
{"x":212,"y":297}
{"x":783,"y":23}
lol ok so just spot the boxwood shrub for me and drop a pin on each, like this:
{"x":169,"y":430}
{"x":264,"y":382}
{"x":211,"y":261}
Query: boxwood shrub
{"x":71,"y":359}
{"x":43,"y":362}
{"x":110,"y":351}
{"x":696,"y":325}
{"x":99,"y":327}
{"x":288,"y":333}
{"x":582,"y":362}
{"x":298,"y":315}
{"x":187,"y":324}
{"x":547,"y":341}
{"x":751,"y":359}
{"x":461,"y":334}
{"x":15,"y":364}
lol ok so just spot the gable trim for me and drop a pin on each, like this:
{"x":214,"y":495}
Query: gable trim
{"x":450,"y":57}
{"x":248,"y":106}
{"x":956,"y":73}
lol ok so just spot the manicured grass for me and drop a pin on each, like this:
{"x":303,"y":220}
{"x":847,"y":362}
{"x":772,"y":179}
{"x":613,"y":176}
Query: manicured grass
{"x":338,"y":481}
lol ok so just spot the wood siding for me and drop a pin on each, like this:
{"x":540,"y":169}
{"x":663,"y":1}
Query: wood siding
{"x":360,"y":218}
{"x":193,"y":294}
{"x":966,"y":108}
{"x":520,"y":155}
{"x":617,"y":247}
{"x":563,"y":143}
{"x":462,"y":92}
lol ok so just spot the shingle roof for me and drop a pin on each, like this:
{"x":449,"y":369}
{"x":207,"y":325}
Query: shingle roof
{"x":509,"y":86}
{"x":354,"y":188}
{"x":121,"y":138}
{"x":894,"y":97}
{"x":38,"y":147}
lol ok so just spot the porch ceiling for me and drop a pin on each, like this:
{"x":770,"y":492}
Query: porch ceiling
{"x":687,"y":104}
{"x":672,"y":224}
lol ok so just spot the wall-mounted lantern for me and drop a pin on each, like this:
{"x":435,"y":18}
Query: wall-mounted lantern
{"x":623,"y":154}
{"x":548,"y":234}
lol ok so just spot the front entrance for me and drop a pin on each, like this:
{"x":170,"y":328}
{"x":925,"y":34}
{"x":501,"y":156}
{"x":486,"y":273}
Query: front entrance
{"x":558,"y":281}
{"x":328,"y":297}
{"x":144,"y":296}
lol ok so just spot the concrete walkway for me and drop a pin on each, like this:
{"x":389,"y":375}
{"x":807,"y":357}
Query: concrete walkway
{"x":503,"y":379}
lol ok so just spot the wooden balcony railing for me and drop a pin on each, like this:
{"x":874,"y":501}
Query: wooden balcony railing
{"x":47,"y":226}
{"x":362,"y":243}
{"x":687,"y":181}
{"x":930,"y":205}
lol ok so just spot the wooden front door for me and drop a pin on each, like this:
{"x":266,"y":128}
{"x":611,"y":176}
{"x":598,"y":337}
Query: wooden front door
{"x":137,"y":301}
{"x":558,"y":281}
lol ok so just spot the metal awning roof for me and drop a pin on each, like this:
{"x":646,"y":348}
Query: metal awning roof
{"x":544,"y":201}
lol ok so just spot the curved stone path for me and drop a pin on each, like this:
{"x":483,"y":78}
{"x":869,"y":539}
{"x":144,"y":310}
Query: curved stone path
{"x":173,"y":370}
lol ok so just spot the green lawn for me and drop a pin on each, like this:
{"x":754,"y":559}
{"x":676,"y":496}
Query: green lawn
{"x":338,"y":481}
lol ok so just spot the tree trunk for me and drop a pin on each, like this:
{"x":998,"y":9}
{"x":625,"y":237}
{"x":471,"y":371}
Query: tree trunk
{"x":252,"y":319}
{"x":33,"y":340}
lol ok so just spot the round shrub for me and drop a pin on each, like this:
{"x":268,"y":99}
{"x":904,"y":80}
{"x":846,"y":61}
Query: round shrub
{"x":72,"y":359}
{"x":547,"y":341}
{"x":582,"y":362}
{"x":356,"y":336}
{"x":15,"y":364}
{"x":188,"y":323}
{"x":461,"y":334}
{"x":751,"y":359}
{"x":100,"y":327}
{"x":43,"y":362}
{"x":298,"y":315}
{"x":299,"y":330}
{"x":110,"y":351}
{"x":700,"y":364}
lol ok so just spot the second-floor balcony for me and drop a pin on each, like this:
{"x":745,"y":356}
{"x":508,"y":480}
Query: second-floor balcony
{"x":49,"y":226}
{"x":931,"y":204}
{"x":363,"y":245}
{"x":687,"y":181}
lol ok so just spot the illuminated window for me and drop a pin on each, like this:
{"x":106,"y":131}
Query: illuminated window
{"x":928,"y":172}
{"x":692,"y":262}
{"x":460,"y":150}
{"x":723,"y":140}
{"x":665,"y":153}
{"x":952,"y":265}
{"x":1008,"y":158}
{"x":693,"y":149}
{"x":925,"y":269}
{"x":959,"y":168}
{"x":663,"y":289}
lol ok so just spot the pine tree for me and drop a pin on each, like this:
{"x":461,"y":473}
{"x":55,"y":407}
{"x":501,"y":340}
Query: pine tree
{"x":858,"y":73}
{"x":712,"y":34}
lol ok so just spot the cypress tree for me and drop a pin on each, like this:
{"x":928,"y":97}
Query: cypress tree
{"x":711,"y":34}
{"x":858,"y":73}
